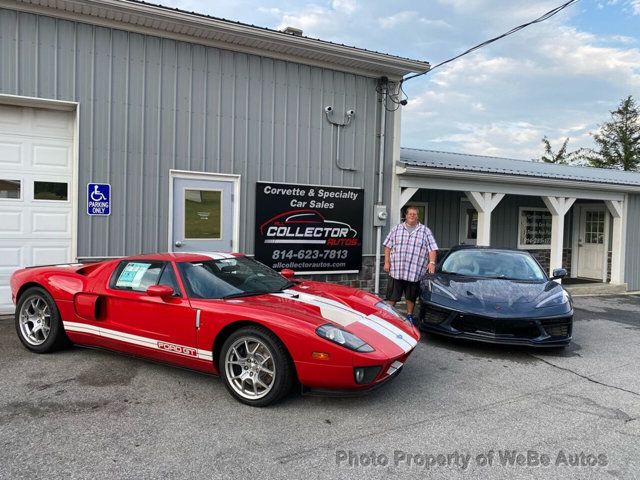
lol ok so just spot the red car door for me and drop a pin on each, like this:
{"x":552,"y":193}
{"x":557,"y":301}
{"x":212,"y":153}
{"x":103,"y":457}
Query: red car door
{"x":133,"y":321}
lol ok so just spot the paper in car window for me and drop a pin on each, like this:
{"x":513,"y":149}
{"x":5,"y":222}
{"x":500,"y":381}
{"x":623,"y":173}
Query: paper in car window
{"x":132,"y":274}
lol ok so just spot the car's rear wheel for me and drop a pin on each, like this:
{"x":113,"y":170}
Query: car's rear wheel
{"x":38,"y":322}
{"x":255,"y":366}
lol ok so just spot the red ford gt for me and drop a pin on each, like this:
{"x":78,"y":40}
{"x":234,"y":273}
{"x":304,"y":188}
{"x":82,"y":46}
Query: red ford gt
{"x":225,"y":314}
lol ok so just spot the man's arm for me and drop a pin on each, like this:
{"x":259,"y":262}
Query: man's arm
{"x":431,"y":268}
{"x":387,"y":259}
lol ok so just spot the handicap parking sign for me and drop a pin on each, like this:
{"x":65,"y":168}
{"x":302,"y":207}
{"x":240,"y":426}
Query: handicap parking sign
{"x":98,"y":199}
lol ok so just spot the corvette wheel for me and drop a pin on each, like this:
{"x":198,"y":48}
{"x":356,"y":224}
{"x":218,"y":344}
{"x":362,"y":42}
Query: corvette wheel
{"x":38,"y":322}
{"x":255,"y":366}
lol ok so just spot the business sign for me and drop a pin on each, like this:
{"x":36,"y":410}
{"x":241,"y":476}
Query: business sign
{"x":98,"y":199}
{"x":309,"y":228}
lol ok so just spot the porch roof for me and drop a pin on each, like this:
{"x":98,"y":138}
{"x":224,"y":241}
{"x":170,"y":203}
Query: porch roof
{"x":510,"y":167}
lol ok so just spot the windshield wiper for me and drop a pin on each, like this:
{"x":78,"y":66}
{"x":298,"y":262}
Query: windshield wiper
{"x":248,"y":293}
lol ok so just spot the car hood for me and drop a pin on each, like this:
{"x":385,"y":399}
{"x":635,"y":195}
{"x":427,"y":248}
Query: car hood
{"x":495,"y":297}
{"x":346,"y":308}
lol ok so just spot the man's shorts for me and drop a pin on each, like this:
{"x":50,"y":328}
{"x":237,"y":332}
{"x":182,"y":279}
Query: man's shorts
{"x":395,"y":289}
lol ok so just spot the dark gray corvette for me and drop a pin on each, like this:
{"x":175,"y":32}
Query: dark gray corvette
{"x":498,"y":296}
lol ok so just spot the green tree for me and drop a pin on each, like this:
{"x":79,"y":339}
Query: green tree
{"x":562,"y":157}
{"x":618,"y":140}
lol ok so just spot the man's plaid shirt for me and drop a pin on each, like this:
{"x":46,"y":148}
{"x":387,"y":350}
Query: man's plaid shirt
{"x":409,"y":251}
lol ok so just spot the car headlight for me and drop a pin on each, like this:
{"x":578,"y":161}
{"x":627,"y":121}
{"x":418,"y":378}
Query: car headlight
{"x":389,"y":309}
{"x":559,"y":298}
{"x":442,"y":291}
{"x":344,"y":338}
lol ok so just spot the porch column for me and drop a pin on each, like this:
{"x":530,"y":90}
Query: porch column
{"x":617,"y":244}
{"x":558,"y":206}
{"x":484,"y":203}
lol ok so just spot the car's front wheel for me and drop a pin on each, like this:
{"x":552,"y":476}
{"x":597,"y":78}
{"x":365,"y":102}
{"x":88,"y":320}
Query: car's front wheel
{"x":255,"y":366}
{"x":38,"y":322}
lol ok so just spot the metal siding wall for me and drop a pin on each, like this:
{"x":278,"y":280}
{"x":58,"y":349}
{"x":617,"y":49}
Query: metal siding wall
{"x":632,"y":259}
{"x":149,"y":104}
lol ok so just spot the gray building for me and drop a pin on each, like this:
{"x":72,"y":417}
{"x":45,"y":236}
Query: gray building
{"x":165,"y":106}
{"x":586,"y":220}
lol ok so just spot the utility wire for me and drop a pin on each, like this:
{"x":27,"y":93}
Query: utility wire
{"x":542,"y":18}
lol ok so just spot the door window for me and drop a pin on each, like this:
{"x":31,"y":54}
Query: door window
{"x":594,"y":227}
{"x":9,"y":188}
{"x":202,"y":214}
{"x":50,"y":191}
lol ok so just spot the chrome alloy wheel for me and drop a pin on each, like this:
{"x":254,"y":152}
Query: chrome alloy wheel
{"x":35,"y":320}
{"x":250,"y":368}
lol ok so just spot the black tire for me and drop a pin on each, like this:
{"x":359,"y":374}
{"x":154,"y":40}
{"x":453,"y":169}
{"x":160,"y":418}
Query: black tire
{"x":255,"y":366}
{"x":38,"y":322}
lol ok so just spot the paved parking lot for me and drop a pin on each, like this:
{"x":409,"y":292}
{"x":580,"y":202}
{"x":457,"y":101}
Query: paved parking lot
{"x":458,"y":410}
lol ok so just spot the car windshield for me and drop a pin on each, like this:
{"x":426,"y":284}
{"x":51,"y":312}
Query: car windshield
{"x":230,"y":277}
{"x":493,"y":264}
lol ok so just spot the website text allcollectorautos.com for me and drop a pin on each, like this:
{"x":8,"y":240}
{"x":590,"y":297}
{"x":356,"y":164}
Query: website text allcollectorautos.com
{"x":464,"y":460}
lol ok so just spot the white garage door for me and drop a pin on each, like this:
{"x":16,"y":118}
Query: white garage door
{"x":36,"y":190}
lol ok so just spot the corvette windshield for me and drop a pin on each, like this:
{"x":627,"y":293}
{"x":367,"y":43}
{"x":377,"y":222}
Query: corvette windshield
{"x":493,"y":264}
{"x":230,"y":277}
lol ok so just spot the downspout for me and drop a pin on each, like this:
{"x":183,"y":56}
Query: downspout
{"x":383,"y":116}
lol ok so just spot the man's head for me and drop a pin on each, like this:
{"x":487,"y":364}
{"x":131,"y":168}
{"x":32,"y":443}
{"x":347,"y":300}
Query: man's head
{"x":411,"y":216}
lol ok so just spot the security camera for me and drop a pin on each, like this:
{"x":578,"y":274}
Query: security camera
{"x":403,"y":102}
{"x":350,"y":113}
{"x":328,"y":109}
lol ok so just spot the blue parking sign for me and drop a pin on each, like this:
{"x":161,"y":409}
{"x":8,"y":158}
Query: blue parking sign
{"x":98,"y":199}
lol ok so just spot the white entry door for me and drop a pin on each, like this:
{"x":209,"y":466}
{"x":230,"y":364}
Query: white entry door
{"x":592,"y":242}
{"x":205,"y":212}
{"x":37,"y":197}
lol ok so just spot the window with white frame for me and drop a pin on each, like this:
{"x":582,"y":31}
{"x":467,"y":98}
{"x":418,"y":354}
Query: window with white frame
{"x":534,"y":228}
{"x":423,"y":210}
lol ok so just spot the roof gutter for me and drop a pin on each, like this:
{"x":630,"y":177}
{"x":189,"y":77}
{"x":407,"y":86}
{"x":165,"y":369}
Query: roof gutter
{"x":417,"y":171}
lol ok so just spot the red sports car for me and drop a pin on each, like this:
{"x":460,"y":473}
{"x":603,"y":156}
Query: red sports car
{"x":225,"y":314}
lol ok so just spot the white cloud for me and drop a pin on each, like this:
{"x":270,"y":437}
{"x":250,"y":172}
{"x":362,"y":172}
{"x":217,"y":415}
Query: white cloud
{"x":345,"y":6}
{"x":397,"y":19}
{"x":635,"y":6}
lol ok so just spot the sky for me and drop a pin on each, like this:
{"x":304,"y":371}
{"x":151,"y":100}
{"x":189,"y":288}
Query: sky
{"x":560,"y":78}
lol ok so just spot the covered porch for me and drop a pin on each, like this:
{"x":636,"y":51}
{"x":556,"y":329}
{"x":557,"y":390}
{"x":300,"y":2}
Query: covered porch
{"x":565,"y":223}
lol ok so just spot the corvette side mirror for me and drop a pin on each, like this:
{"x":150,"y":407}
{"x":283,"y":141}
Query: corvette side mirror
{"x":287,"y":273}
{"x":162,"y":291}
{"x":558,"y":273}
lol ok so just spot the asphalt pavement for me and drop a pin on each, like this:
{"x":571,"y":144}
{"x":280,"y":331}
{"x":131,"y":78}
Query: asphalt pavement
{"x":457,"y":410}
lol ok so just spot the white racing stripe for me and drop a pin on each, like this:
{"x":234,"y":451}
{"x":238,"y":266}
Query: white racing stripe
{"x":344,"y":316}
{"x":213,"y":255}
{"x":398,"y":339}
{"x":394,"y":330}
{"x":138,"y":340}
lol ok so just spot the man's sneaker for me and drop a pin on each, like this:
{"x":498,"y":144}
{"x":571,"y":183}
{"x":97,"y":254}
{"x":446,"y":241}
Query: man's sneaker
{"x":411,"y":319}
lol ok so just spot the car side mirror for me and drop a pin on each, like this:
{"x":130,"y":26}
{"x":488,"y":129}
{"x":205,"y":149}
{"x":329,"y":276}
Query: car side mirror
{"x":287,"y":273}
{"x":558,"y":273}
{"x":162,"y":291}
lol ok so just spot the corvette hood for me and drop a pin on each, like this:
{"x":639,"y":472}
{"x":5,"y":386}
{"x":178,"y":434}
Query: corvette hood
{"x":488,"y":296}
{"x":378,"y":329}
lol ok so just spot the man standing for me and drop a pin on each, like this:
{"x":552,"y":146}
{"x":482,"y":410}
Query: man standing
{"x":406,"y":250}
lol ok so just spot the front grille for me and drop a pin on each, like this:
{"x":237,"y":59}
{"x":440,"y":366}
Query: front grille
{"x":502,"y":327}
{"x":557,"y":327}
{"x":432,"y":315}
